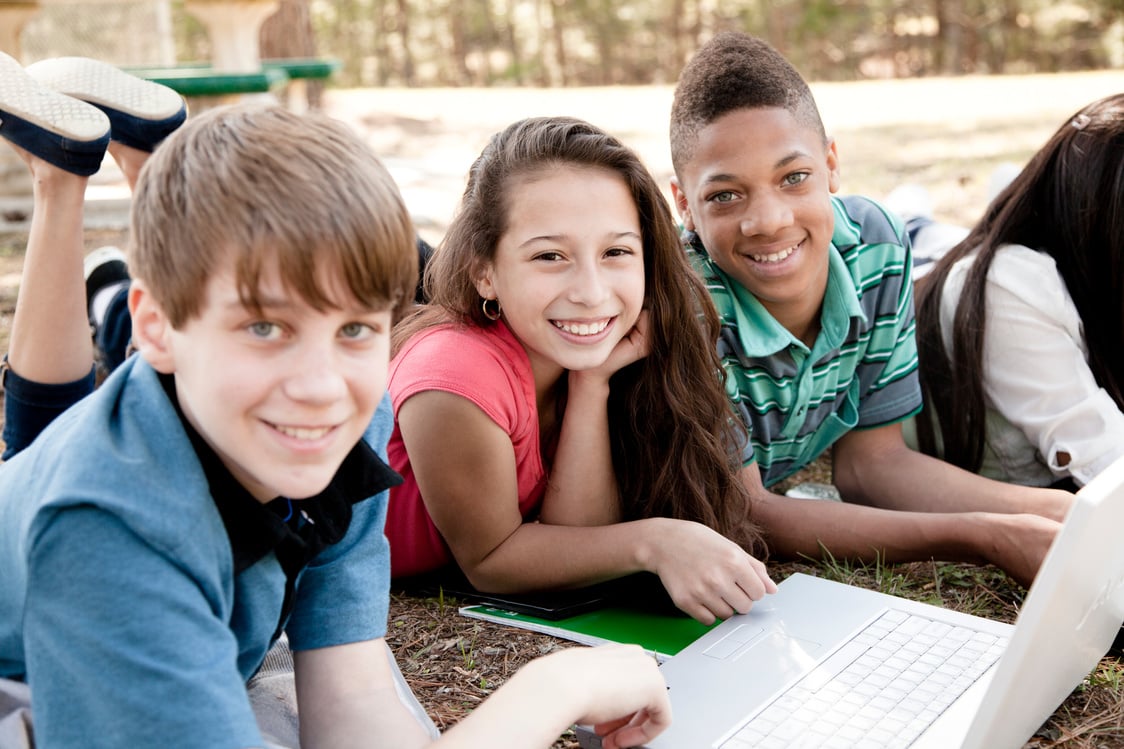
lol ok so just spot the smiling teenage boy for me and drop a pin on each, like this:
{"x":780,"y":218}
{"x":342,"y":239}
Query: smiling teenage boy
{"x":225,"y":486}
{"x":818,"y":340}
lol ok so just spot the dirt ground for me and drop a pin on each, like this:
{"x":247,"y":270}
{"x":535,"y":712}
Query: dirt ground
{"x":947,"y":134}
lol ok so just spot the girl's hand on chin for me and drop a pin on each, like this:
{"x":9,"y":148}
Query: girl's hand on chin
{"x":631,"y":348}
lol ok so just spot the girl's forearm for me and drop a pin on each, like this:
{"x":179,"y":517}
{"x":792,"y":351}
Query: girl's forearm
{"x":582,"y":488}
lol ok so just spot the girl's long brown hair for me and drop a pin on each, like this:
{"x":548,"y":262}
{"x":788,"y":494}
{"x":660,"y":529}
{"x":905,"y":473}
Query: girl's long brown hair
{"x":675,"y":439}
{"x":1068,"y":202}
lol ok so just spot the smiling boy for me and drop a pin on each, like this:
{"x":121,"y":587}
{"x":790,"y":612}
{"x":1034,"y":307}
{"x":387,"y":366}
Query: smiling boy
{"x":223,"y":487}
{"x":818,"y":341}
{"x":160,"y":533}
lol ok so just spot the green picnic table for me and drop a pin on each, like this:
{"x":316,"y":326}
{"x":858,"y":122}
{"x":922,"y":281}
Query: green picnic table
{"x":200,"y":79}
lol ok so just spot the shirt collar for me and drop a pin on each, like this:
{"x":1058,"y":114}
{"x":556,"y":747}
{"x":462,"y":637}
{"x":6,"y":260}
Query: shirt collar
{"x":299,"y":529}
{"x":759,"y":332}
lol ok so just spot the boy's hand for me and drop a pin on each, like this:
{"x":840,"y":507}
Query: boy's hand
{"x":616,"y":688}
{"x":1017,"y":544}
{"x":707,"y":575}
{"x":624,"y":692}
{"x":1055,"y":504}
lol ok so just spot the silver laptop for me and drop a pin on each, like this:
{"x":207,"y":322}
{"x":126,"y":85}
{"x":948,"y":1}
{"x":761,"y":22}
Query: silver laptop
{"x":825,"y":664}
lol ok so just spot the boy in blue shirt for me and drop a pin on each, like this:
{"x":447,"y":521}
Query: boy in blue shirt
{"x":818,"y":342}
{"x":226,"y":485}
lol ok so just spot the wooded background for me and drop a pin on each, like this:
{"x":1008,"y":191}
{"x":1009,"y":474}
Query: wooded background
{"x":608,"y":42}
{"x":601,"y":42}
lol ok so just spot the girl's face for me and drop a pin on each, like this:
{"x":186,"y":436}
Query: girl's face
{"x":569,"y":270}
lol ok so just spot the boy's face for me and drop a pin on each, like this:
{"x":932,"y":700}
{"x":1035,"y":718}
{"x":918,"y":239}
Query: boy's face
{"x":281,"y":396}
{"x":757,"y":191}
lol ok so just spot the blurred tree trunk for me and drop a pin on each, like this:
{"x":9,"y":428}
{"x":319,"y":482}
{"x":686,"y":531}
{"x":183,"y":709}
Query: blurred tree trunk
{"x":559,"y":27}
{"x":602,"y":22}
{"x":486,"y":41}
{"x":458,"y":27}
{"x":679,"y":46}
{"x":380,"y":44}
{"x":403,"y":26}
{"x":950,"y":35}
{"x":1007,"y":39}
{"x":288,"y":33}
{"x":542,"y":70}
{"x":515,"y":69}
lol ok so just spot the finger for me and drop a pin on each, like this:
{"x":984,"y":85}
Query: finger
{"x":643,"y":726}
{"x":641,"y":330}
{"x":642,"y":321}
{"x":639,"y":343}
{"x":755,"y":586}
{"x":609,"y":726}
{"x":697,"y":611}
{"x":738,"y":599}
{"x":720,"y":607}
{"x":632,"y":735}
{"x":763,"y":575}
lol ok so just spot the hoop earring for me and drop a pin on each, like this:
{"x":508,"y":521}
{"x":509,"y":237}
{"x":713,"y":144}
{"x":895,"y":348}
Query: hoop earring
{"x":492,"y":314}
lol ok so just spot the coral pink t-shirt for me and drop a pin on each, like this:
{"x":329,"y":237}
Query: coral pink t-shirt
{"x":489,"y":367}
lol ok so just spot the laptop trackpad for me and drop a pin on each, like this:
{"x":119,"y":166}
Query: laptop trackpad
{"x":749,"y":636}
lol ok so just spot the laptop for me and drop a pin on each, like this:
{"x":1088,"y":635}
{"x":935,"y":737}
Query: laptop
{"x":819,"y":652}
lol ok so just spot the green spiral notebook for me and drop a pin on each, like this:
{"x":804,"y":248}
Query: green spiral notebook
{"x":658,"y":630}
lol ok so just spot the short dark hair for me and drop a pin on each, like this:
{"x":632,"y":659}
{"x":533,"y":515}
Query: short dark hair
{"x":735,"y":71}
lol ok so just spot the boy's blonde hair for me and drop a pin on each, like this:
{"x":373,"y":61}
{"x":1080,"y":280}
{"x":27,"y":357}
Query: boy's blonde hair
{"x":256,"y":185}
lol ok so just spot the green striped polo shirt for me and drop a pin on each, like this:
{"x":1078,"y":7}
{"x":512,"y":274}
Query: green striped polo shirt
{"x":860,"y":373}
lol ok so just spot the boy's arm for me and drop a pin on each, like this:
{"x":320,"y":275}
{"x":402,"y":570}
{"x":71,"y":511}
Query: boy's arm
{"x":347,"y":699}
{"x":121,"y":641}
{"x":801,"y":527}
{"x":876,"y":467}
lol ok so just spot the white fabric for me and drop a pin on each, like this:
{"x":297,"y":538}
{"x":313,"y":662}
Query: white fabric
{"x":272,"y":692}
{"x":931,"y":242}
{"x":15,"y":715}
{"x":1041,"y":395}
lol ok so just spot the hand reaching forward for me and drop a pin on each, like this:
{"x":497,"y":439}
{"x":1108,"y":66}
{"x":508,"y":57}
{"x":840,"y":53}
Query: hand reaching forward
{"x":707,"y":575}
{"x":625,"y":693}
{"x":1018,"y":544}
{"x":618,"y":689}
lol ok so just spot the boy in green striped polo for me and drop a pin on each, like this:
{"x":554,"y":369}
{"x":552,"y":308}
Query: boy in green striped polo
{"x":818,"y":337}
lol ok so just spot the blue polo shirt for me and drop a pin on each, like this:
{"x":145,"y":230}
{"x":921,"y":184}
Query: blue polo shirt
{"x":125,"y":602}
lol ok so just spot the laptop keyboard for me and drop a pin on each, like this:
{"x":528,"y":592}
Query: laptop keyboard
{"x":881,"y":689}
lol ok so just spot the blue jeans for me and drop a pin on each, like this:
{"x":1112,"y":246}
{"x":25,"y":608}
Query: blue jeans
{"x":30,"y":406}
